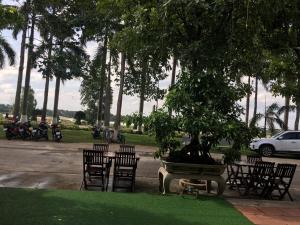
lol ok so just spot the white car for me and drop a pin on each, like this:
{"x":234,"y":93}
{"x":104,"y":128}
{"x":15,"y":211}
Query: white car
{"x":284,"y":142}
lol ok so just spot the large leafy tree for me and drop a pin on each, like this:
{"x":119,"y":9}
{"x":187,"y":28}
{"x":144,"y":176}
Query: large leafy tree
{"x":206,"y":35}
{"x":281,"y":38}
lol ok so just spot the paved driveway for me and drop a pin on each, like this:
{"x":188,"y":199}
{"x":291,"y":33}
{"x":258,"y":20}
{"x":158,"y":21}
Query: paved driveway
{"x":59,"y":165}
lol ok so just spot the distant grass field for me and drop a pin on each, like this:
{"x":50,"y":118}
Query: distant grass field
{"x":84,"y":136}
{"x":57,"y":207}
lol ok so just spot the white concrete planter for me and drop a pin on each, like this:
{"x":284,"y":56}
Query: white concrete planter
{"x":188,"y":168}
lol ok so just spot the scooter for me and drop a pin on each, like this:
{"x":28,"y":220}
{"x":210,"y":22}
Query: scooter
{"x":11,"y":130}
{"x":96,"y":131}
{"x":40,"y":132}
{"x":56,"y":133}
{"x":25,"y":130}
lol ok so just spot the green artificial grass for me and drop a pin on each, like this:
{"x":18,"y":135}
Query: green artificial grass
{"x":51,"y":207}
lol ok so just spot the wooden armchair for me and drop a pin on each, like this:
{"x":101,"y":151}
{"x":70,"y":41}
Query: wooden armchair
{"x":281,"y":181}
{"x":101,"y":147}
{"x":260,"y":175}
{"x":124,"y":170}
{"x":254,"y":158}
{"x":127,"y":148}
{"x":96,"y":169}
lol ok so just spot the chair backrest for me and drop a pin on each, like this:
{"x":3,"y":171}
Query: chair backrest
{"x":125,"y":159}
{"x":127,"y":148}
{"x":263,"y":168}
{"x":91,"y":157}
{"x":285,"y":170}
{"x":254,"y":158}
{"x":101,"y":147}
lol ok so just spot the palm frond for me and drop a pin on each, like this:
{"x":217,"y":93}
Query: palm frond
{"x":2,"y":58}
{"x":273,"y":107}
{"x":255,"y":119}
{"x":10,"y":53}
{"x":282,"y":109}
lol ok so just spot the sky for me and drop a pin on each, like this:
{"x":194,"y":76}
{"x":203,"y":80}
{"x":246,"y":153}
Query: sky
{"x":70,"y":95}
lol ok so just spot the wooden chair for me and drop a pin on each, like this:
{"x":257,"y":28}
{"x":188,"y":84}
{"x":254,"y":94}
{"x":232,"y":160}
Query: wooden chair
{"x":96,"y":168}
{"x":281,"y":181}
{"x":254,"y":158}
{"x":258,"y":179}
{"x":231,"y":171}
{"x":127,"y":148}
{"x":101,"y":147}
{"x":124,"y":170}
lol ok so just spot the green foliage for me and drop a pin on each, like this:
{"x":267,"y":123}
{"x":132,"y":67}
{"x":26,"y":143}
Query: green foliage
{"x":163,"y":127}
{"x":79,"y":115}
{"x":31,"y":102}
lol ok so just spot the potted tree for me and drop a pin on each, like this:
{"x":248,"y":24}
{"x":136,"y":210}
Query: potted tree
{"x":205,"y":106}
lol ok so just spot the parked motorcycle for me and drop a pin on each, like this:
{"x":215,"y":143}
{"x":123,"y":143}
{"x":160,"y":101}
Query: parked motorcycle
{"x":11,"y":130}
{"x":96,"y":131}
{"x":56,"y":133}
{"x":25,"y":130}
{"x":40,"y":132}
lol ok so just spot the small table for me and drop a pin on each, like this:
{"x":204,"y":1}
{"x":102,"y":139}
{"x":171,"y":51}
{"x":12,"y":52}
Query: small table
{"x":192,"y":186}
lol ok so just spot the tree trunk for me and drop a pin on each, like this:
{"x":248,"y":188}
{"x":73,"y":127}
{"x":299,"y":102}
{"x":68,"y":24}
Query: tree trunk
{"x":56,"y":99}
{"x":286,"y":113}
{"x":296,"y":126}
{"x":248,"y":104}
{"x":46,"y":91}
{"x":255,"y":97}
{"x":142,"y":94}
{"x":102,"y":79}
{"x":173,"y":77}
{"x":21,"y":68}
{"x":107,"y":97}
{"x":24,"y":117}
{"x":120,"y":98}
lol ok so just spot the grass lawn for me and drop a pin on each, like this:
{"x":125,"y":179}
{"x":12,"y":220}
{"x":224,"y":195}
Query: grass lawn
{"x":84,"y":136}
{"x":51,"y":207}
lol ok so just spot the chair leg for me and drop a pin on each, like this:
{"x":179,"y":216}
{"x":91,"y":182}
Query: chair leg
{"x":290,"y":196}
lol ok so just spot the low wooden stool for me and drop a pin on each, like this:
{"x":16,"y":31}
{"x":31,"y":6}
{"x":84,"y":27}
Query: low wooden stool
{"x":192,"y":186}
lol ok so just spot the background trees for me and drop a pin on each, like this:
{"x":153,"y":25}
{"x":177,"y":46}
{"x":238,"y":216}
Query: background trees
{"x":139,"y":43}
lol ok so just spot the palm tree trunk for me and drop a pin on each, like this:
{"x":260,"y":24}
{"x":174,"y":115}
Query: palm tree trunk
{"x":56,"y":99}
{"x":21,"y":68}
{"x":102,"y":79}
{"x":107,"y":97}
{"x":173,"y":77}
{"x":120,"y":98}
{"x":286,"y":113}
{"x":248,"y":103}
{"x":296,"y":126}
{"x":142,"y":94}
{"x":24,"y":117}
{"x":255,"y":97}
{"x":46,"y":91}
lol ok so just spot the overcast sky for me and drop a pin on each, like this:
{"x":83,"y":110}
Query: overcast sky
{"x":70,"y":95}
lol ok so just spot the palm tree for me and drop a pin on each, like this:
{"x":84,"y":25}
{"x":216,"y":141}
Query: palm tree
{"x":23,"y":27}
{"x":102,"y":79}
{"x":120,"y":97}
{"x":108,"y":95}
{"x":271,"y":118}
{"x":69,"y":60}
{"x":24,"y":117}
{"x":248,"y":102}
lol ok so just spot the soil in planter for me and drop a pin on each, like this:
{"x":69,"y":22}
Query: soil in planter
{"x":192,"y":153}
